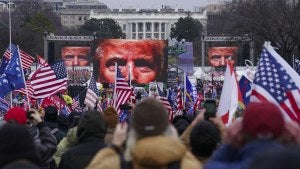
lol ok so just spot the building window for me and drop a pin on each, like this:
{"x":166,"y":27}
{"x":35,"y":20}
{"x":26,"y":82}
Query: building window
{"x":124,"y":27}
{"x":80,"y":18}
{"x":162,"y":36}
{"x":156,"y":26}
{"x":133,"y":27}
{"x":140,"y":36}
{"x":85,"y":18}
{"x":163,"y":27}
{"x":133,"y":36}
{"x":148,"y":27}
{"x":156,"y":35}
{"x":140,"y":27}
{"x":148,"y":36}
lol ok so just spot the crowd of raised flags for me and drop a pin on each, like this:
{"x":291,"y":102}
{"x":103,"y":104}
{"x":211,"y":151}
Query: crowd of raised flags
{"x":274,"y":81}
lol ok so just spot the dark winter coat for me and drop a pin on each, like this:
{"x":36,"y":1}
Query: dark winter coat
{"x":90,"y":133}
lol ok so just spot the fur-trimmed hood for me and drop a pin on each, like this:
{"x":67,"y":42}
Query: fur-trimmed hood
{"x":149,"y":153}
{"x":159,"y":151}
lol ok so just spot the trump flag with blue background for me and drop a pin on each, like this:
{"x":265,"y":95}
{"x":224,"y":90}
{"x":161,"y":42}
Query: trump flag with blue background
{"x":14,"y":72}
{"x":245,"y":87}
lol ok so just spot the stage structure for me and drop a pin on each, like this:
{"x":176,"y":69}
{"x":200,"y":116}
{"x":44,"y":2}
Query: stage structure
{"x":226,"y":39}
{"x":50,"y":37}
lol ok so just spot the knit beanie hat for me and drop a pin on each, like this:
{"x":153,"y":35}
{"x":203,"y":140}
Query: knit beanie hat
{"x":150,"y":117}
{"x":16,"y":143}
{"x":111,"y":117}
{"x":51,"y":114}
{"x":16,"y":114}
{"x":263,"y":120}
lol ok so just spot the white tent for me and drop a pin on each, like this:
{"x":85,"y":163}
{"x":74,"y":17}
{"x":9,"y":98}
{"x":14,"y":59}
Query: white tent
{"x":199,"y":73}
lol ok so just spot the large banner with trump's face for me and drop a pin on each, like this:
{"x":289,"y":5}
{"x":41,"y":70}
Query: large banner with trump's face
{"x":142,"y":61}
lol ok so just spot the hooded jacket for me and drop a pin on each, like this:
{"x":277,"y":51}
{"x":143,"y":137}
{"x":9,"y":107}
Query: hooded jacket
{"x":90,"y":133}
{"x":149,"y":153}
{"x":66,"y":143}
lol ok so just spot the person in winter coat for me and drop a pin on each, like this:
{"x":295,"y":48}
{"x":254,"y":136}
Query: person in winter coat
{"x":65,"y":144}
{"x":17,"y":148}
{"x":152,"y":143}
{"x":50,"y":119}
{"x":258,"y":132}
{"x":44,"y":141}
{"x":90,"y":134}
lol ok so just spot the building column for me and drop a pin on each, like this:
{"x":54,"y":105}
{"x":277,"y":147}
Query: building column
{"x":136,"y":30}
{"x":144,"y":30}
{"x":152,"y":30}
{"x":159,"y":30}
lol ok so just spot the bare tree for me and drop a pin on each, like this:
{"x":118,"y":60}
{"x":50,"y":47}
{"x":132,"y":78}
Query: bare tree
{"x":265,"y":20}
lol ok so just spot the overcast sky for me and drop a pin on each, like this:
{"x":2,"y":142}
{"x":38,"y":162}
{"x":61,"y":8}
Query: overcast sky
{"x":183,"y":4}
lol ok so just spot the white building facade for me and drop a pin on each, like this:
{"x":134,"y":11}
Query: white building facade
{"x":148,"y":23}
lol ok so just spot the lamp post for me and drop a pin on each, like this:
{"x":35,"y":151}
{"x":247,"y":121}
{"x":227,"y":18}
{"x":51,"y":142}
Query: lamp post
{"x":46,"y":45}
{"x":212,"y":71}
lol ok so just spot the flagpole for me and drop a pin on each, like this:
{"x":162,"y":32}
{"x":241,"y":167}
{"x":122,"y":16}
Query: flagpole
{"x":130,"y":82}
{"x":10,"y":53}
{"x":294,"y":62}
{"x":184,"y":90}
{"x":9,"y":25}
{"x":115,"y":94}
{"x":20,"y":58}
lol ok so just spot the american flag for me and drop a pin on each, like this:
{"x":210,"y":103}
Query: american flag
{"x":29,"y":90}
{"x":42,"y":62}
{"x":297,"y":65}
{"x":123,"y":91}
{"x":26,"y":59}
{"x":76,"y":105}
{"x":49,"y":80}
{"x":92,"y":95}
{"x":179,"y":99}
{"x":276,"y":81}
{"x":4,"y":105}
{"x":165,"y":102}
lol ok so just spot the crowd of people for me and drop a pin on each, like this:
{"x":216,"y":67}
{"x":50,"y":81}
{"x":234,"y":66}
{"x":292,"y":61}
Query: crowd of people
{"x":148,"y":139}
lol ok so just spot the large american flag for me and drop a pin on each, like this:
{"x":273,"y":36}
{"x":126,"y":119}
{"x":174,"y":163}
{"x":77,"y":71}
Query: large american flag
{"x":165,"y":102}
{"x":49,"y":80}
{"x":26,"y":59}
{"x":123,"y":91}
{"x":276,"y":81}
{"x":92,"y":95}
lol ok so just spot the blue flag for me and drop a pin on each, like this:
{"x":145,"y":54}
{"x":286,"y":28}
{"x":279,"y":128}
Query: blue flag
{"x":14,"y":72}
{"x":6,"y":57}
{"x":4,"y":85}
{"x":4,"y":105}
{"x":189,"y":90}
{"x":245,"y":87}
